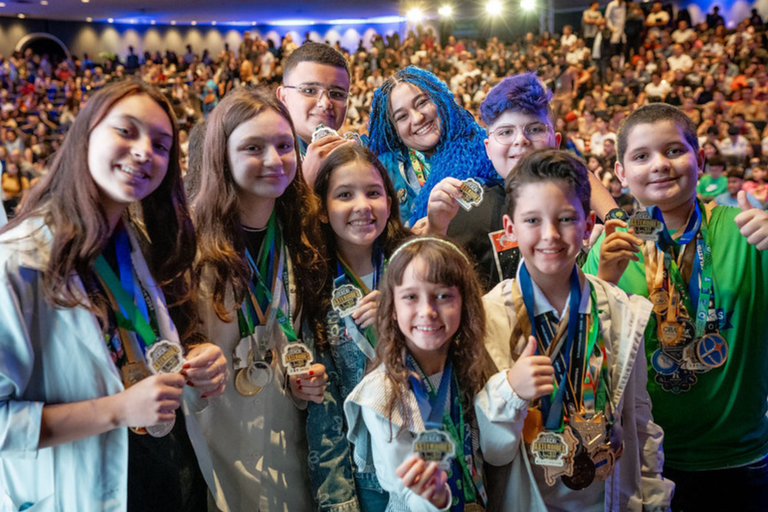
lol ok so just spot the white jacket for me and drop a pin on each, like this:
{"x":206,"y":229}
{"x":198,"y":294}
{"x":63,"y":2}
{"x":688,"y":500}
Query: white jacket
{"x":636,"y":484}
{"x":52,"y":355}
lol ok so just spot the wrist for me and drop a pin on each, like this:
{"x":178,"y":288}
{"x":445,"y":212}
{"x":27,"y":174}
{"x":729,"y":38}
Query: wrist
{"x":112,"y":411}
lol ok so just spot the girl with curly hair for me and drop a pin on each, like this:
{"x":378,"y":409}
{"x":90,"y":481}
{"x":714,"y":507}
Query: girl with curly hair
{"x":432,"y":363}
{"x":422,"y":136}
{"x":259,"y":257}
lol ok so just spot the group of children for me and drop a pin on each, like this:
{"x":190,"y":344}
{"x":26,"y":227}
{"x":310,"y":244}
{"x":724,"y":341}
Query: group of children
{"x":296,"y":348}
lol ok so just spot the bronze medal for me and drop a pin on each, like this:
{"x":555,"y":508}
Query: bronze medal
{"x":660,"y":301}
{"x":604,"y":460}
{"x":243,"y":384}
{"x":590,"y":430}
{"x":583,"y":472}
{"x":555,"y":448}
{"x":533,"y":425}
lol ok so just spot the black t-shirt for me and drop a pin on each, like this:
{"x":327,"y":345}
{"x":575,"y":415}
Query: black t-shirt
{"x":476,"y":231}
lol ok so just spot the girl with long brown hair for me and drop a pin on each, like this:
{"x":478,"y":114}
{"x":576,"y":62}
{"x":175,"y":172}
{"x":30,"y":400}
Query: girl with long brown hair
{"x":431,"y":326}
{"x":94,"y":270}
{"x":361,"y":226}
{"x":259,"y":260}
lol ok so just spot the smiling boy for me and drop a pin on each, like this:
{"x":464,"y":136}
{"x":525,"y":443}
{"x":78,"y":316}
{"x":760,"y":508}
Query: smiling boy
{"x":707,"y":343}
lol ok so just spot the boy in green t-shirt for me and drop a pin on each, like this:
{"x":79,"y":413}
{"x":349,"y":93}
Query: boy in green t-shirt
{"x":715,"y":182}
{"x":707,"y":341}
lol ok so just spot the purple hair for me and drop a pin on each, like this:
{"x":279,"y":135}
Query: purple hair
{"x":520,"y":93}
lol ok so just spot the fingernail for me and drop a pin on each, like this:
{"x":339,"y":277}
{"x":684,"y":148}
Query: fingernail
{"x":186,"y":365}
{"x":299,"y":387}
{"x":311,"y":373}
{"x":298,"y":381}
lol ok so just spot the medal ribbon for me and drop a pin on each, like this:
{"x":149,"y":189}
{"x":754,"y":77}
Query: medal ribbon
{"x":261,"y":296}
{"x":128,"y":315}
{"x":419,"y":165}
{"x":552,"y":409}
{"x":435,"y":418}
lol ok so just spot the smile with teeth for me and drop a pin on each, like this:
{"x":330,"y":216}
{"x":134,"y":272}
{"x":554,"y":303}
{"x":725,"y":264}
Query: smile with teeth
{"x":427,"y":127}
{"x":133,"y":172}
{"x":550,"y":251}
{"x":362,"y":222}
{"x":426,"y":328}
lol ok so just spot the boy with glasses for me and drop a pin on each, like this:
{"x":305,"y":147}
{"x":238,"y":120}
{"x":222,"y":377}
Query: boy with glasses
{"x":519,"y":119}
{"x":315,"y":90}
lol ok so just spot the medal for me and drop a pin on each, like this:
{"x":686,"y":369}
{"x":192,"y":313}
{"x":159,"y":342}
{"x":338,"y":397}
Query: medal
{"x":660,"y":301}
{"x":563,"y":449}
{"x":604,"y":460}
{"x":617,"y":213}
{"x":583,"y":472}
{"x":712,"y":350}
{"x":533,"y":425}
{"x":323,"y":131}
{"x":471,"y":194}
{"x":434,"y":446}
{"x":161,"y":429}
{"x":297,"y":358}
{"x":473,"y":507}
{"x":645,"y":227}
{"x":165,"y":357}
{"x":591,"y":430}
{"x":670,"y":333}
{"x":679,"y":381}
{"x":354,"y":137}
{"x":259,"y":373}
{"x":243,"y":384}
{"x":345,"y":299}
{"x":133,"y":373}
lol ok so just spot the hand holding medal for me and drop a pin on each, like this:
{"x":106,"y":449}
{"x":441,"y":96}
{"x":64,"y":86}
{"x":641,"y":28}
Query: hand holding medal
{"x":309,"y":386}
{"x":365,"y":314}
{"x":152,"y":401}
{"x":618,"y":249}
{"x":425,"y":479}
{"x":443,"y":205}
{"x":206,"y":370}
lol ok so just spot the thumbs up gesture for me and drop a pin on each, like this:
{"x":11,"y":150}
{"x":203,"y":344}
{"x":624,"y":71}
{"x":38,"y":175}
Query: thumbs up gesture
{"x":531,"y":376}
{"x":619,"y":247}
{"x":752,"y":223}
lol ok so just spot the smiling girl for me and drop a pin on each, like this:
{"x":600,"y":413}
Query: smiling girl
{"x":361,"y":229}
{"x":258,"y":259}
{"x":421,"y":136}
{"x":430,"y":323}
{"x":79,"y":303}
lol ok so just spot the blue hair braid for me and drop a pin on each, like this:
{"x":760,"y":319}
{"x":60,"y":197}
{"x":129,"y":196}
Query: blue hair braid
{"x":460,"y":152}
{"x":520,"y":93}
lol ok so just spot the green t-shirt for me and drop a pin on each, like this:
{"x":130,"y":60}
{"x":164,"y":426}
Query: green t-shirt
{"x":722,"y":420}
{"x":709,"y":187}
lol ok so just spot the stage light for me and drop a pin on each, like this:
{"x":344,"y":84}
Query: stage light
{"x":494,"y":7}
{"x":152,"y":22}
{"x":528,"y":5}
{"x":173,"y":22}
{"x":194,"y":23}
{"x":89,"y":19}
{"x":414,"y":15}
{"x":110,"y":20}
{"x":21,"y":16}
{"x":445,"y":11}
{"x":43,"y":2}
{"x":213,"y":23}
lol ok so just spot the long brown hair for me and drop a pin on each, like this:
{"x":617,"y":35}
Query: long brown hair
{"x":446,"y":264}
{"x":68,"y":200}
{"x":217,"y":210}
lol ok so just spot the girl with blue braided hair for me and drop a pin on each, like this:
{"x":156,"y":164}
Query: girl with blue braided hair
{"x":422,"y":136}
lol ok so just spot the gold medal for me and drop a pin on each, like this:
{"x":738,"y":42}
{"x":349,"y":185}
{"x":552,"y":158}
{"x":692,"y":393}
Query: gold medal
{"x":670,"y":333}
{"x":660,"y":301}
{"x":533,"y":425}
{"x":591,"y":430}
{"x":243,"y":384}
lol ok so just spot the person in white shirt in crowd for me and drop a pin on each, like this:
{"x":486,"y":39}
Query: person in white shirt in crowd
{"x":598,"y":138}
{"x":568,"y":38}
{"x":735,"y":145}
{"x":657,"y":20}
{"x":684,"y":33}
{"x":590,"y":21}
{"x":679,"y":59}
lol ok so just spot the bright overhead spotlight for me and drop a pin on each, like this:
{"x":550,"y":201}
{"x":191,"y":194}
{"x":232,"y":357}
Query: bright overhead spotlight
{"x":21,"y":16}
{"x":253,"y":24}
{"x":528,"y":5}
{"x":194,"y":23}
{"x":89,"y":19}
{"x":414,"y":15}
{"x":152,"y":22}
{"x":445,"y":11}
{"x":493,"y":7}
{"x":213,"y":23}
{"x":110,"y":20}
{"x":85,"y":1}
{"x":173,"y":22}
{"x":43,"y":2}
{"x":2,"y":4}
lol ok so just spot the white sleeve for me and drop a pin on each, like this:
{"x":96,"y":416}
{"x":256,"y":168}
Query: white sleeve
{"x":500,"y":418}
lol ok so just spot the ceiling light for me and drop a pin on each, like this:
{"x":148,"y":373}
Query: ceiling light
{"x":254,"y":23}
{"x":414,"y":15}
{"x":110,"y":20}
{"x":85,"y":1}
{"x":43,"y":2}
{"x":21,"y":16}
{"x":152,"y":22}
{"x":213,"y":23}
{"x":445,"y":11}
{"x":173,"y":22}
{"x":89,"y":19}
{"x":528,"y":5}
{"x":194,"y":23}
{"x":2,"y":4}
{"x":493,"y":7}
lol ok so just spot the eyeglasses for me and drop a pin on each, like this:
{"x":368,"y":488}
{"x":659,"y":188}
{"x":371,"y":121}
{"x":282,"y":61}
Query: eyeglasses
{"x":534,"y":132}
{"x":314,"y":91}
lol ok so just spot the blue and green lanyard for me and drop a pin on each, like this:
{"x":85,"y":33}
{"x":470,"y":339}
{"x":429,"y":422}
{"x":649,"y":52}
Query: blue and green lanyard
{"x":465,"y":481}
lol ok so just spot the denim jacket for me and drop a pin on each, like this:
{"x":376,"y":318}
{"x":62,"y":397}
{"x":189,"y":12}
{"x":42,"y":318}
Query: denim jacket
{"x":332,"y":472}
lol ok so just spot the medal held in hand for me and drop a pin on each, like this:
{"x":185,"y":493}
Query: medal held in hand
{"x":645,"y":227}
{"x":323,"y":131}
{"x":297,"y":358}
{"x":435,"y":446}
{"x":471,"y":194}
{"x":346,"y":299}
{"x":165,"y":357}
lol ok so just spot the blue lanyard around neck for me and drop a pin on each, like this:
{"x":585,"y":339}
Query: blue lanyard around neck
{"x":432,"y":408}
